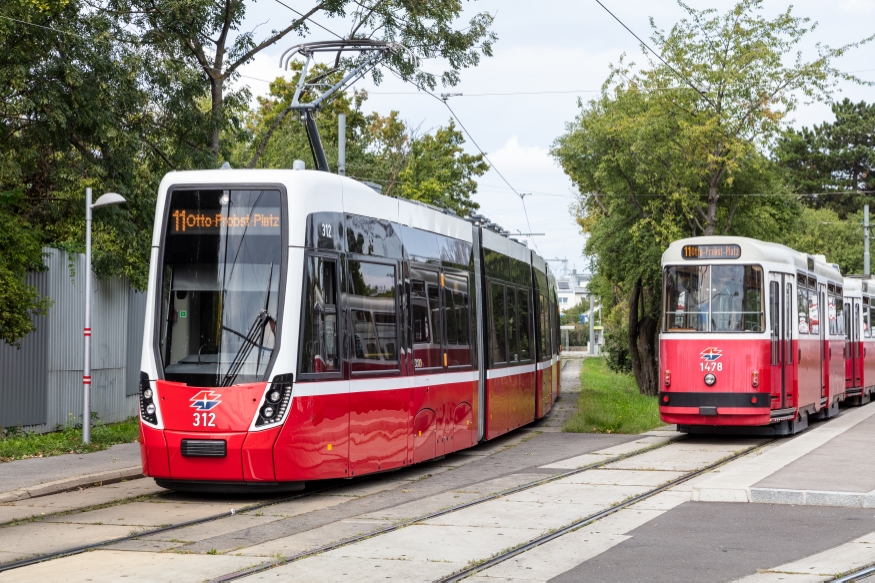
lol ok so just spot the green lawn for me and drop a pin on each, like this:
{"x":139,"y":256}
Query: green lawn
{"x":610,"y":403}
{"x":67,"y":440}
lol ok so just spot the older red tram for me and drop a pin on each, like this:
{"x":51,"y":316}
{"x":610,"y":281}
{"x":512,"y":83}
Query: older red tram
{"x":301,"y":326}
{"x":753,"y":335}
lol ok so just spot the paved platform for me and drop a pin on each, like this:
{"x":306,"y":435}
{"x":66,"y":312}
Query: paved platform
{"x":39,"y":476}
{"x":831,"y":464}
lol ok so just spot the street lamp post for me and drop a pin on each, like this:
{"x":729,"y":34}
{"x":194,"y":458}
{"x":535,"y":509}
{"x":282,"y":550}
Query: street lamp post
{"x":107,"y":199}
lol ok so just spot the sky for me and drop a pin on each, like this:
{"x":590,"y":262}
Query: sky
{"x":562,"y":50}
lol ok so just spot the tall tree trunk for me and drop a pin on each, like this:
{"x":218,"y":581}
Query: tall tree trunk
{"x":711,"y":216}
{"x":216,"y":84}
{"x":643,"y":349}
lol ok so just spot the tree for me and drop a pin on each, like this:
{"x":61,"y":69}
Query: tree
{"x":676,"y":150}
{"x":833,"y":164}
{"x":205,"y":34}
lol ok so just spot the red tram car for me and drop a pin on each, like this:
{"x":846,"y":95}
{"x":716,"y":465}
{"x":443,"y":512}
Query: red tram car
{"x":755,"y":334}
{"x":301,"y":326}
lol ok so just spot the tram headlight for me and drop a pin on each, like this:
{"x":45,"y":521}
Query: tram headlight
{"x":710,"y":379}
{"x":277,"y":397}
{"x":148,"y":409}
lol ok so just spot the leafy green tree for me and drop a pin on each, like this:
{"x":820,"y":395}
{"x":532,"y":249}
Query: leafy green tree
{"x":675,"y":150}
{"x":206,"y":34}
{"x":823,"y":232}
{"x":833,"y":163}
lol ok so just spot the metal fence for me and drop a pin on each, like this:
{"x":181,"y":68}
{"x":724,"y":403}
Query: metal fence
{"x":41,"y":382}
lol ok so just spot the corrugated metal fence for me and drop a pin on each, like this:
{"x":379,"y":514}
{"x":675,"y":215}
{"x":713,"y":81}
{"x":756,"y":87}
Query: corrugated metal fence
{"x":41,"y":382}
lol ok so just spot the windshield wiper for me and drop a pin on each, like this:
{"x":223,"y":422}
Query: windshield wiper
{"x":256,"y":331}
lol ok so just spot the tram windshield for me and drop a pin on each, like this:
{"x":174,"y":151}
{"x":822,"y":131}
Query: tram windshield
{"x":219,"y":284}
{"x":713,"y":298}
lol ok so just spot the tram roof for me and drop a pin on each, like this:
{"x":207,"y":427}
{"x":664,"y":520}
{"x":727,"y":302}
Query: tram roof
{"x":335,"y":193}
{"x":753,"y":251}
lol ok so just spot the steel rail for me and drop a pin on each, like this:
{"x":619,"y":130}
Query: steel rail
{"x":354,"y":539}
{"x":89,"y":547}
{"x":458,"y":576}
{"x":864,"y":573}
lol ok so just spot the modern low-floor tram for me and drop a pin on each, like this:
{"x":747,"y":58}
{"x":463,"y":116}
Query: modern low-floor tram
{"x":301,"y":326}
{"x":756,"y":335}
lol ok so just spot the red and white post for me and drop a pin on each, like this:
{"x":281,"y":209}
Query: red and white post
{"x":86,"y":370}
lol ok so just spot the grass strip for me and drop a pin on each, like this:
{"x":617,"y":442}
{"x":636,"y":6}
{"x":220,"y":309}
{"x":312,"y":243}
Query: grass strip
{"x":18,"y":446}
{"x":610,"y":403}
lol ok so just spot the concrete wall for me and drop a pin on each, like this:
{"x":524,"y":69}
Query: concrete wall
{"x":41,"y":383}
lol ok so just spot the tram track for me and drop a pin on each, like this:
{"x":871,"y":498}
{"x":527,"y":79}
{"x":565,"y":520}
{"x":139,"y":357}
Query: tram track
{"x":858,"y":575}
{"x":102,"y":544}
{"x":409,"y":522}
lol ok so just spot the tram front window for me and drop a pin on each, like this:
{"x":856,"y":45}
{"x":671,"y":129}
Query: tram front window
{"x":713,"y":298}
{"x":220,"y":282}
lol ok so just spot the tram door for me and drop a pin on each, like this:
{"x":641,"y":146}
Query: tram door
{"x":857,"y":349}
{"x":823,"y":317}
{"x":849,"y":345}
{"x":780,"y":319}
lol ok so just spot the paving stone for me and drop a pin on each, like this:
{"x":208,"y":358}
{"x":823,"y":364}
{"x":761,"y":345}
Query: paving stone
{"x":47,"y":537}
{"x":422,"y":506}
{"x":632,"y":446}
{"x":564,"y":493}
{"x":507,"y":514}
{"x":300,"y":506}
{"x":578,"y":462}
{"x":449,"y":544}
{"x":663,"y":501}
{"x":669,"y":459}
{"x":369,"y":488}
{"x":312,"y":539}
{"x":555,"y":557}
{"x":323,"y":568}
{"x":782,"y":578}
{"x":198,"y":532}
{"x":110,"y":566}
{"x":500,"y":484}
{"x":774,"y":496}
{"x":150,"y":514}
{"x":142,"y":545}
{"x":621,"y":477}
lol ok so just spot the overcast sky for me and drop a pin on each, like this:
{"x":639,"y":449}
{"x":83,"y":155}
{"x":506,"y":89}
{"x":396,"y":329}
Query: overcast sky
{"x":563,"y":47}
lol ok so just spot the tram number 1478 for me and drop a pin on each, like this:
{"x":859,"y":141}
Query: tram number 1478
{"x":204,"y":420}
{"x":710,"y":366}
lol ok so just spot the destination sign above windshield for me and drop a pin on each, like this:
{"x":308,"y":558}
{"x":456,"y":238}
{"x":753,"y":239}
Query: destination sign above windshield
{"x":711,"y":252}
{"x":199,"y":222}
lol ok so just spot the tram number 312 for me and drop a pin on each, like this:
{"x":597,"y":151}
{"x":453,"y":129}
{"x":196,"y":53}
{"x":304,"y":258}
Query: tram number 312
{"x":204,"y":419}
{"x":710,"y":366}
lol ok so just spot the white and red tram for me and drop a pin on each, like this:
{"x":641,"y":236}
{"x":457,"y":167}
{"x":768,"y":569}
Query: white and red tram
{"x":301,"y":326}
{"x":754,"y":334}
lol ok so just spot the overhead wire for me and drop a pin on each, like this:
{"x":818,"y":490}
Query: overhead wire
{"x":453,"y":113}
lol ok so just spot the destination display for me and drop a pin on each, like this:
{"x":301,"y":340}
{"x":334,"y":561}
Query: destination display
{"x":711,"y":252}
{"x":198,"y":222}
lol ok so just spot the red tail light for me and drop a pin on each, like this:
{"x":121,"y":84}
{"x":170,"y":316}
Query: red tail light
{"x":755,"y":379}
{"x":667,"y":377}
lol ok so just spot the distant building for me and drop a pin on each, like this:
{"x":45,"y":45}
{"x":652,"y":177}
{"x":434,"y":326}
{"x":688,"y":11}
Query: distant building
{"x":573,"y":289}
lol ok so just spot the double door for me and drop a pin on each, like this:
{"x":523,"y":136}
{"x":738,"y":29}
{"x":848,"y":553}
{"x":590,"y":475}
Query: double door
{"x":781,"y":317}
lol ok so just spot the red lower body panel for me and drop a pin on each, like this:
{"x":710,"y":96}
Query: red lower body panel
{"x":228,"y":468}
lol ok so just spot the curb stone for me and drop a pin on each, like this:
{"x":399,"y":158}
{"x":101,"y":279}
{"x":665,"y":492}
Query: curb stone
{"x":58,"y":486}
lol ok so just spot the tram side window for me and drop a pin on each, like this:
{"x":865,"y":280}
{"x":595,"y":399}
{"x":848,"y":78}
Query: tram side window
{"x":525,"y":325}
{"x":513,"y":324}
{"x":788,"y":322}
{"x":498,"y":331}
{"x":840,"y":312}
{"x":867,"y":331}
{"x":373,"y":320}
{"x":802,"y":303}
{"x":543,"y":328}
{"x":319,"y":347}
{"x":459,"y":340}
{"x":425,"y":322}
{"x":813,"y":307}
